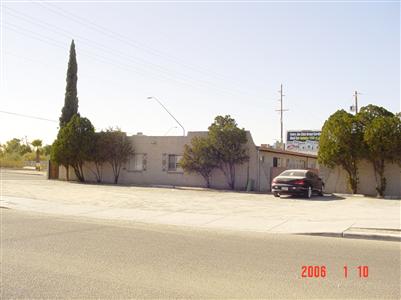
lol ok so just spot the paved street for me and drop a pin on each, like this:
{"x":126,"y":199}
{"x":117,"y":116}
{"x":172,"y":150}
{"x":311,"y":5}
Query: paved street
{"x":49,"y":257}
{"x":208,"y":209}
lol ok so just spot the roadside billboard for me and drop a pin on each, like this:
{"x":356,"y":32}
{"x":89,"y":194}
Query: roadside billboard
{"x":303,"y":141}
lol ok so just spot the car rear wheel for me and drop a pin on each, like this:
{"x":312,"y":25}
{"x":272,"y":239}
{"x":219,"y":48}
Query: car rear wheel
{"x":276,"y":194}
{"x":309,"y":192}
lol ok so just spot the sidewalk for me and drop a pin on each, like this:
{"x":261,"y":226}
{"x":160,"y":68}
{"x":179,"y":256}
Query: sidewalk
{"x":349,"y":228}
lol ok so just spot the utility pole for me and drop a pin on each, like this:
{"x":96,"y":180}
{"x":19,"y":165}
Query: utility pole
{"x":354,"y":108}
{"x":281,"y":110}
{"x":356,"y":102}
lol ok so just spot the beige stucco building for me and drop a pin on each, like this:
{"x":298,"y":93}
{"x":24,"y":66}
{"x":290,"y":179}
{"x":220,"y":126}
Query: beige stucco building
{"x":156,"y":162}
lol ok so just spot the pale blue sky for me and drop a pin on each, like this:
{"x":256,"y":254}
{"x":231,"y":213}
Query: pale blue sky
{"x":200,"y":60}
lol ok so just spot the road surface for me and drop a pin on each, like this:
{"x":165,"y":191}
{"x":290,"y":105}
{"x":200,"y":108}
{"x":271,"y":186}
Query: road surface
{"x":65,"y":257}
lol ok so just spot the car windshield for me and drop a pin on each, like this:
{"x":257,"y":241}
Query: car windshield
{"x":293,"y":173}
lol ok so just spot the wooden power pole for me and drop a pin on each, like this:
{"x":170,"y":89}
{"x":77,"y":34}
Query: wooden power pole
{"x":281,"y":110}
{"x":356,"y":102}
{"x":354,"y":108}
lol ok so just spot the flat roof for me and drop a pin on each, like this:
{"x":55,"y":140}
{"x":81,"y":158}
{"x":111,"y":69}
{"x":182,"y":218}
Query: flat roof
{"x":266,"y":149}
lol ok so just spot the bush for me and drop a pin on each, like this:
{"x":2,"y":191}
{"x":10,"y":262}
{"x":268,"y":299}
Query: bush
{"x":10,"y":163}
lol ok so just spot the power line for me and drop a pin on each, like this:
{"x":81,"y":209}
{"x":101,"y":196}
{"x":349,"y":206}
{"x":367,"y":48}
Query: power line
{"x":27,"y":116}
{"x":68,"y":34}
{"x":53,"y":42}
{"x":126,"y":40}
{"x":90,"y":55}
{"x":113,"y":61}
{"x":118,"y":36}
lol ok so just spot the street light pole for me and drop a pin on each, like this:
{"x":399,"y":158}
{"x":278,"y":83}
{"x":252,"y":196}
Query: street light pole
{"x":183,"y":129}
{"x":170,"y":130}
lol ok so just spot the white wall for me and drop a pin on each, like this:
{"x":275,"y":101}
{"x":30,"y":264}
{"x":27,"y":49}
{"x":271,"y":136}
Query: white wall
{"x":336,"y":179}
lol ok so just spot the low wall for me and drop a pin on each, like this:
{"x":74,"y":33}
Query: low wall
{"x":336,"y":179}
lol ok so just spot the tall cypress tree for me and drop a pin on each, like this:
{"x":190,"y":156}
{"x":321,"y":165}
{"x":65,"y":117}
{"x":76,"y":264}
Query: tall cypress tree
{"x":71,"y":100}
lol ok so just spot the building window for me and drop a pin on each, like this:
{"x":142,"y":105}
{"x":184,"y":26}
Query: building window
{"x":312,"y":165}
{"x":174,"y":163}
{"x":278,"y":162}
{"x":136,"y":162}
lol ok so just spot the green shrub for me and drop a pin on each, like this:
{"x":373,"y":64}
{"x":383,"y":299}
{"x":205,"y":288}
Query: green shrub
{"x":6,"y":162}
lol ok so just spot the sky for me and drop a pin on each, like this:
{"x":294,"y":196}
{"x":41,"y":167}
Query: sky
{"x":200,"y":60}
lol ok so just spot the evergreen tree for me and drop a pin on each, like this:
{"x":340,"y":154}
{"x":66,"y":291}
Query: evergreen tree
{"x":71,"y":100}
{"x":341,"y":143}
{"x":378,"y":141}
{"x":74,"y":145}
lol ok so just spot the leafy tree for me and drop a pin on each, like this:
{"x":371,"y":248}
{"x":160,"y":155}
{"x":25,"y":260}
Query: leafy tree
{"x":99,"y":154}
{"x":71,"y":100}
{"x":229,"y":146}
{"x":12,"y":146}
{"x":366,"y":116}
{"x":382,"y":137}
{"x":119,"y":150}
{"x":199,"y":158}
{"x":60,"y":153}
{"x":15,"y":146}
{"x":370,"y":112}
{"x":37,"y":144}
{"x":74,"y":144}
{"x":341,"y":144}
{"x":47,"y":150}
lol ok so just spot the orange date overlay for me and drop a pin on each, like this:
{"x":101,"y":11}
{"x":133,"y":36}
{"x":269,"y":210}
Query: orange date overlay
{"x":313,"y":271}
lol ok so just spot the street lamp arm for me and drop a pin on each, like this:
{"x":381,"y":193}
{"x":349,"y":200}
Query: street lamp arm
{"x":183,"y":129}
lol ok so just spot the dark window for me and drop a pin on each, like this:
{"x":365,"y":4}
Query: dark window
{"x":275,"y":161}
{"x":172,"y":162}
